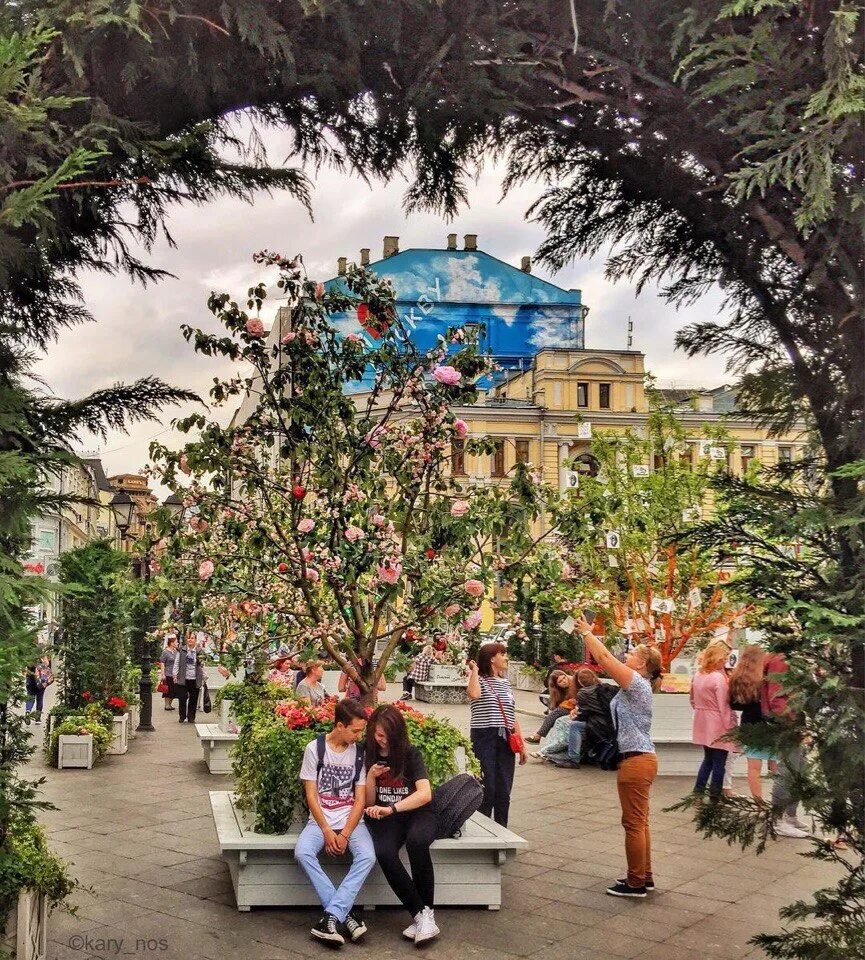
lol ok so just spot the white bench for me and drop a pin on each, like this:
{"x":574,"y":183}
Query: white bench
{"x":216,"y":744}
{"x":672,"y":720}
{"x":468,"y":869}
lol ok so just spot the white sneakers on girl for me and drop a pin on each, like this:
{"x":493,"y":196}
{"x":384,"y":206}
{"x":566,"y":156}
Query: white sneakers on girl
{"x":425,"y":926}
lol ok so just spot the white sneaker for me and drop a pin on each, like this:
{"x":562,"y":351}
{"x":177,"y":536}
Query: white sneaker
{"x":426,"y":927}
{"x":785,"y":828}
{"x":800,"y":824}
{"x":410,"y":932}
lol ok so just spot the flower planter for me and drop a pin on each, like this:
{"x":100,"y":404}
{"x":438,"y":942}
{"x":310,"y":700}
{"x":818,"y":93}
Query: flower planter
{"x":25,"y":936}
{"x":120,"y":743}
{"x":134,"y":717}
{"x":521,"y":679}
{"x":75,"y":750}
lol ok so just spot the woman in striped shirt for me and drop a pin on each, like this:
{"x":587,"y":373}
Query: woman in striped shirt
{"x":493,"y":719}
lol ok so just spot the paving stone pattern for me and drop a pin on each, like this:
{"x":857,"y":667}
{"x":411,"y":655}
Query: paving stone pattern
{"x":139,"y":832}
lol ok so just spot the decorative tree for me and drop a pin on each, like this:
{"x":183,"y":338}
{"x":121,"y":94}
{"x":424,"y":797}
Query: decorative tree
{"x":621,"y":533}
{"x":333,"y":516}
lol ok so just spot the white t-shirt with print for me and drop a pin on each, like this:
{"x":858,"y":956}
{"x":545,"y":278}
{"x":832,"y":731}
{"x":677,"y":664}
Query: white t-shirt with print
{"x":335,"y":782}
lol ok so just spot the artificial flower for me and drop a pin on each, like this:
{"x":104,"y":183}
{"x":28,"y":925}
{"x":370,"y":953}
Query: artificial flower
{"x":459,"y":508}
{"x":474,"y":588}
{"x":254,"y":327}
{"x":447,"y":375}
{"x":205,"y":570}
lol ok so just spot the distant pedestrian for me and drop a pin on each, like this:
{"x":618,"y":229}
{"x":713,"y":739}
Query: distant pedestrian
{"x":713,"y":717}
{"x":311,"y":687}
{"x":167,"y":661}
{"x":188,"y":678}
{"x":746,"y":686}
{"x":419,"y":671}
{"x":562,"y":690}
{"x":494,"y":729}
{"x":639,"y":677}
{"x":38,"y":677}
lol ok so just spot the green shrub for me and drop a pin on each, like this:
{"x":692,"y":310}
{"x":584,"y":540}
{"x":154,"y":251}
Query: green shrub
{"x":26,"y":863}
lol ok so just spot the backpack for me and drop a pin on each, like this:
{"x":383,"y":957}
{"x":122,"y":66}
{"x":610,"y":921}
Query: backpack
{"x":320,"y":746}
{"x":608,"y":753}
{"x":454,"y":801}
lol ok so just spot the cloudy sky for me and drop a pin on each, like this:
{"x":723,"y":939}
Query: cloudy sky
{"x":137,"y":330}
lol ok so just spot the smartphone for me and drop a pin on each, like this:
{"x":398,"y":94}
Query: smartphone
{"x":590,"y":616}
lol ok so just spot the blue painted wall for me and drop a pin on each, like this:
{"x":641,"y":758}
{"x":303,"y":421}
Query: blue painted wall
{"x":518,"y":312}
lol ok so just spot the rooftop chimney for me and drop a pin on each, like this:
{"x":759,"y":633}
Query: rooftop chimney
{"x":340,"y":266}
{"x":391,"y":246}
{"x":526,"y":265}
{"x":452,"y":241}
{"x":471,"y":241}
{"x":364,"y":256}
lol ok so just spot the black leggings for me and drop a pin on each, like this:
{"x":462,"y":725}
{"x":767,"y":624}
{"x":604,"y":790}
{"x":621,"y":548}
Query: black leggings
{"x":415,"y":831}
{"x":497,"y":762}
{"x":714,"y":761}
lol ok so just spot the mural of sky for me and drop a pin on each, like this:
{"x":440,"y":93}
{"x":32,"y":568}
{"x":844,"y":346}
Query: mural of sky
{"x":517,"y":313}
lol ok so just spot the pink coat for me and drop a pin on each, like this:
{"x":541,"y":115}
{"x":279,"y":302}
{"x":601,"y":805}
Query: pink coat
{"x":713,"y":716}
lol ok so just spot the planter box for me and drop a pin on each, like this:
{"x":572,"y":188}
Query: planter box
{"x":521,"y":680}
{"x":672,"y":722}
{"x":120,"y":743}
{"x":75,"y":750}
{"x":26,"y":933}
{"x":134,"y":717}
{"x":216,"y":746}
{"x":264,"y":872}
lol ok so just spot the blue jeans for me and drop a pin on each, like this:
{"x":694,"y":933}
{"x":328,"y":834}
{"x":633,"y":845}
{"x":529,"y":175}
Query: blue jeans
{"x":714,"y":762}
{"x":37,"y":700}
{"x":336,"y":902}
{"x":575,"y":740}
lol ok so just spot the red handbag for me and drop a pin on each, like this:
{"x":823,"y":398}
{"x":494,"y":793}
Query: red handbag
{"x":162,"y":687}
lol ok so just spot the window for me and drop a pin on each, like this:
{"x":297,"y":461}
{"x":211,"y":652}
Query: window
{"x":582,"y":394}
{"x":604,"y":390}
{"x":522,"y":451}
{"x":659,"y":462}
{"x":458,"y":458}
{"x":499,"y":459}
{"x":785,"y":454}
{"x":748,"y":453}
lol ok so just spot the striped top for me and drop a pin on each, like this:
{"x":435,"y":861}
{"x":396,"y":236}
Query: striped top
{"x":486,"y":711}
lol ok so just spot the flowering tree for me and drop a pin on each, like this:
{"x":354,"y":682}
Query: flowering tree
{"x":621,"y":531}
{"x":326,"y":518}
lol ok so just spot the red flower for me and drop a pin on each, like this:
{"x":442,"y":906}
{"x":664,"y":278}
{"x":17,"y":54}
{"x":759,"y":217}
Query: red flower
{"x":283,"y":568}
{"x":116,"y":703}
{"x":362,"y":312}
{"x":431,"y":554}
{"x":298,"y":491}
{"x":86,"y":695}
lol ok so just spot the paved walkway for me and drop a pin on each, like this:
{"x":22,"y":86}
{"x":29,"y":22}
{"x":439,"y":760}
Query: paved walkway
{"x":139,"y":832}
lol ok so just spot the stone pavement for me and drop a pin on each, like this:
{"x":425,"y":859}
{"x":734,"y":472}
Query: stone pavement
{"x":139,"y":832}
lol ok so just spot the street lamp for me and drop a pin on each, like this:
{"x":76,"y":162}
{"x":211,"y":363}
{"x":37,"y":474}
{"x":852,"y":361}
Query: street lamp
{"x":175,"y":507}
{"x":123,"y":506}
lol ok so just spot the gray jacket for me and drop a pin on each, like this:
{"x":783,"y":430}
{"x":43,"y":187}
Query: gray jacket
{"x":180,"y":667}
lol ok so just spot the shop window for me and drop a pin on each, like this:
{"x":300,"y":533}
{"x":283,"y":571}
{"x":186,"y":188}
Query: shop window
{"x":604,"y":391}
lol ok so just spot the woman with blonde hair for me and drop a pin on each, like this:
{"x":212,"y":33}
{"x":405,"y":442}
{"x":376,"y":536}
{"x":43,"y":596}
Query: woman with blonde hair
{"x":638,"y":678}
{"x":713,"y":717}
{"x":746,"y":684}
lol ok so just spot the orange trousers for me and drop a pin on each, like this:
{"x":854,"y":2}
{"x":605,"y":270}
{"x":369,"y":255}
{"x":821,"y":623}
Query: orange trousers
{"x":634,"y":782}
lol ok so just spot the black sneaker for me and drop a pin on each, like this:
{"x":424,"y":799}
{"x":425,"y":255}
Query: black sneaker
{"x":355,"y":926}
{"x":623,"y":890}
{"x":649,"y":884}
{"x":327,"y":929}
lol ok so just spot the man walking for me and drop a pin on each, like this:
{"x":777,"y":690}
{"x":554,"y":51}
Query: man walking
{"x":334,"y":781}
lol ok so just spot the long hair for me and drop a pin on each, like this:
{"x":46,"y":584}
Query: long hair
{"x":557,"y":693}
{"x":713,"y":657}
{"x":389,"y":719}
{"x":746,"y":680}
{"x":485,"y":657}
{"x":654,"y":664}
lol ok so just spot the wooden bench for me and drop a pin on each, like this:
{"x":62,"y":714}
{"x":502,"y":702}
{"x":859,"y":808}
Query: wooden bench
{"x":264,"y":873}
{"x":216,"y":744}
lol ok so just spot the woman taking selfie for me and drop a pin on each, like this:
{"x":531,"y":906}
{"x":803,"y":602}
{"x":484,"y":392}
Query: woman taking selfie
{"x":496,"y":736}
{"x":399,"y":816}
{"x":638,"y":677}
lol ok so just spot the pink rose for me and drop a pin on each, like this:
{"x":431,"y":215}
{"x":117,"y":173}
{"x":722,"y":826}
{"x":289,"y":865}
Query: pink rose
{"x":353,"y":533}
{"x":474,"y":588}
{"x":461,"y":428}
{"x":289,"y":337}
{"x":306,"y":553}
{"x":312,"y":574}
{"x":205,"y":570}
{"x":390,"y":572}
{"x":378,"y":519}
{"x":306,"y":525}
{"x":254,"y":327}
{"x":447,"y":375}
{"x":452,"y":609}
{"x":459,"y":508}
{"x":473,"y":620}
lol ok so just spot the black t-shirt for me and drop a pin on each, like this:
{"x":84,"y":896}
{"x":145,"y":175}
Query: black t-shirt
{"x":391,"y":789}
